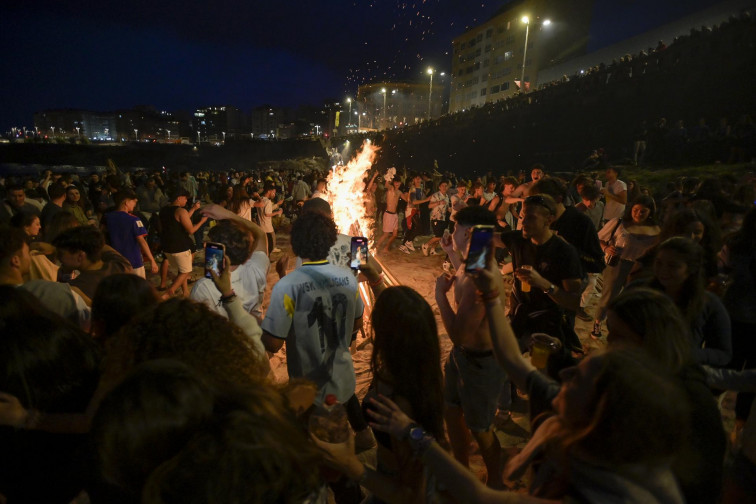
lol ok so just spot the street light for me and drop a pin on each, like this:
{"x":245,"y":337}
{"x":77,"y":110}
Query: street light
{"x":224,"y":137}
{"x":430,"y":91}
{"x":546,"y":22}
{"x":383,"y":90}
{"x":349,"y":101}
{"x":136,"y":135}
{"x":169,"y":134}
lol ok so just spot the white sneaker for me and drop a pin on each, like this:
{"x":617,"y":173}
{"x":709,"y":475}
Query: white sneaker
{"x":425,"y":249}
{"x":446,"y":266}
{"x":410,"y":245}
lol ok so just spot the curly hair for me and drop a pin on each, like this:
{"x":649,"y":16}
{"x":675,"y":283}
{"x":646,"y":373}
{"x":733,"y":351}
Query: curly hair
{"x":192,"y":333}
{"x":147,"y":419}
{"x":236,"y":239}
{"x":251,"y":450}
{"x":312,"y":236}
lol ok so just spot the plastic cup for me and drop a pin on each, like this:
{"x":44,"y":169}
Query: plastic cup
{"x":525,"y":285}
{"x":543,"y":346}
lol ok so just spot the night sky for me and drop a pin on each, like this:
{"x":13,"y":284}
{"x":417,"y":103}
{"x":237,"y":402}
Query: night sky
{"x":179,"y":55}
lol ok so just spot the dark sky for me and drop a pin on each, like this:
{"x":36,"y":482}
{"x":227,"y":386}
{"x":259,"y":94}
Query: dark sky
{"x":184,"y":54}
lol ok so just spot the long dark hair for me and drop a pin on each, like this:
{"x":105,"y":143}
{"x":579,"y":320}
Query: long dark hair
{"x":406,"y":354}
{"x":692,"y":294}
{"x":240,"y":196}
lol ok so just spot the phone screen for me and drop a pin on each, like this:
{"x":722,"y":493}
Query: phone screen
{"x":359,"y":252}
{"x":213,"y":258}
{"x":480,"y":245}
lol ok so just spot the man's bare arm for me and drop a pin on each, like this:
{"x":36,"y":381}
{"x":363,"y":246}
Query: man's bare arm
{"x":217,"y":212}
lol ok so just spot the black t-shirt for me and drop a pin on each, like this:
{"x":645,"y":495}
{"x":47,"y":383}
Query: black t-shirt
{"x":578,"y":230}
{"x":555,"y":260}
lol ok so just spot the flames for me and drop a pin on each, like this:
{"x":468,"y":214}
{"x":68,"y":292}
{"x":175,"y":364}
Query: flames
{"x":346,"y":194}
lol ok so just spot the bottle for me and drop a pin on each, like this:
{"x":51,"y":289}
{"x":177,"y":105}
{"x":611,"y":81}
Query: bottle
{"x":329,"y":422}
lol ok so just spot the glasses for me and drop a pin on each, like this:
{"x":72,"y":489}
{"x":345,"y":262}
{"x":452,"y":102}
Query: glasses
{"x":539,"y":200}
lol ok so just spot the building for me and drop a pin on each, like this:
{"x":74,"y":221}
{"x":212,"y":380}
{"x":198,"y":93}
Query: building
{"x":265,"y":121}
{"x":384,"y":105}
{"x":60,"y":123}
{"x":214,"y":124}
{"x":487,"y":60}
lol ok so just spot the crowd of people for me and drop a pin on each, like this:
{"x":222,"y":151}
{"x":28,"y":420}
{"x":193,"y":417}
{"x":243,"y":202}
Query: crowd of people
{"x":114,"y":388}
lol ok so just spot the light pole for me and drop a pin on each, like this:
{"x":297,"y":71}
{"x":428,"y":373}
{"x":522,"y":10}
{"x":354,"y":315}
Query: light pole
{"x":53,"y":131}
{"x":77,"y":131}
{"x":169,"y":134}
{"x":383,"y":90}
{"x":430,"y":91}
{"x":136,"y":135}
{"x":224,"y":137}
{"x":349,"y":101}
{"x":525,"y":20}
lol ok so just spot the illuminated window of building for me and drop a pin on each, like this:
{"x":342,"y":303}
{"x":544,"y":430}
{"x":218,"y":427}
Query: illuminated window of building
{"x":508,"y":55}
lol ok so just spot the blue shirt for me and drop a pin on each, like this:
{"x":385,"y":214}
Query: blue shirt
{"x":123,"y":229}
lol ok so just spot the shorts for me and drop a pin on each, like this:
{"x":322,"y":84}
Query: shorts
{"x":438,"y":227}
{"x":473,"y":382}
{"x":181,"y":260}
{"x":390,"y":222}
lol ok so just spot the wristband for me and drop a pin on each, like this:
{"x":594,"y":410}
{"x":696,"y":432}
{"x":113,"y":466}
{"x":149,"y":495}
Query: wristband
{"x":229,"y":298}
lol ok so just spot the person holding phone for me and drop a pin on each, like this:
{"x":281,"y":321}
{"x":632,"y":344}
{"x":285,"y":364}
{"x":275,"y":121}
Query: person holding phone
{"x":473,"y":379}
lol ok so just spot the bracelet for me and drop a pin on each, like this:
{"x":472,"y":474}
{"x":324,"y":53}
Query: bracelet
{"x":490,"y":295}
{"x":229,"y":298}
{"x":377,"y":282}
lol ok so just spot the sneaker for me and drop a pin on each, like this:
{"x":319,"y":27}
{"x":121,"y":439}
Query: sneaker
{"x":583,"y":315}
{"x":410,"y":246}
{"x":596,"y":333}
{"x":404,"y":249}
{"x":433,"y":251}
{"x":425,"y":249}
{"x":447,"y":265}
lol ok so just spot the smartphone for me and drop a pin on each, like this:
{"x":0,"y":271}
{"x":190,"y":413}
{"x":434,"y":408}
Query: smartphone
{"x":479,"y":247}
{"x":214,"y":253}
{"x":359,"y":252}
